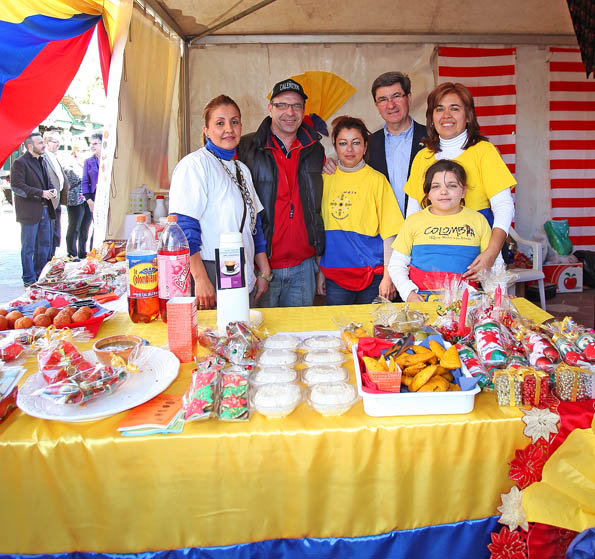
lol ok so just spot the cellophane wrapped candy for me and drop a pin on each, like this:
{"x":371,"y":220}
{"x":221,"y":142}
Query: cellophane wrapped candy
{"x":496,"y":278}
{"x":565,"y":334}
{"x":540,"y":352}
{"x":60,"y":360}
{"x":450,"y":307}
{"x":84,"y":386}
{"x":488,"y":342}
{"x":240,"y":345}
{"x":474,"y":366}
{"x":11,"y":350}
{"x":351,"y":331}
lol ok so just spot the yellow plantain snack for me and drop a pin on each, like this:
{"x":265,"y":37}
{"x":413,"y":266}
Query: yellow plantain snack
{"x":406,"y":380}
{"x":448,"y":376}
{"x":450,"y":358}
{"x":422,"y":377}
{"x":372,"y":364}
{"x":436,"y":348}
{"x":442,"y":370}
{"x":402,"y":360}
{"x":453,"y":387}
{"x":435,"y":384}
{"x":415,"y":359}
{"x":412,"y":370}
{"x":392,"y":366}
{"x":420,"y":349}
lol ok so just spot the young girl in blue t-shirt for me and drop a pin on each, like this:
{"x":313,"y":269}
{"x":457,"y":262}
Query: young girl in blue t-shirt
{"x":441,"y":241}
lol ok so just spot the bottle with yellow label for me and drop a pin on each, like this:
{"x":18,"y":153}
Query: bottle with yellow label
{"x":143,"y":290}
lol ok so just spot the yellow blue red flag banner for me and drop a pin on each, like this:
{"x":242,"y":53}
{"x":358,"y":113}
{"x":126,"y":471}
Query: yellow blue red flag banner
{"x":42,"y":43}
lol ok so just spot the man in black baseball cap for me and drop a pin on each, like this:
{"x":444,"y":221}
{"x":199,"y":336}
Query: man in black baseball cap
{"x":288,"y":85}
{"x":285,"y":158}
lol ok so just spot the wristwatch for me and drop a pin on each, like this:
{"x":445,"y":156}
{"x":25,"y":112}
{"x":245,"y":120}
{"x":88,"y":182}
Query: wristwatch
{"x":268,"y":278}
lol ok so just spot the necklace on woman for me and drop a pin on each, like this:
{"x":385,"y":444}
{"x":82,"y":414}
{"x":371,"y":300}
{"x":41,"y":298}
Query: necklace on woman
{"x":241,"y":183}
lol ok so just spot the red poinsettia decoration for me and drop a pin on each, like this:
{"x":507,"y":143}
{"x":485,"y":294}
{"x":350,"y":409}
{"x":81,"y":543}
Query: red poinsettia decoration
{"x":528,"y":464}
{"x":507,"y":545}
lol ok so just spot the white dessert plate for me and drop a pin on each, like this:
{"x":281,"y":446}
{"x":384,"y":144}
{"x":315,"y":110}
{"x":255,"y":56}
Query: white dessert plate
{"x":158,"y":369}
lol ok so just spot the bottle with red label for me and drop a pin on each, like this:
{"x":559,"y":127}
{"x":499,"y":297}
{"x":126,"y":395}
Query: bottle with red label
{"x":141,"y":255}
{"x":173,"y":257}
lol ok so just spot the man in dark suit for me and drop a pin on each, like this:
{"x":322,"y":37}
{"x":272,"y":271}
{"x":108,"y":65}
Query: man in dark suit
{"x":34,"y":208}
{"x":392,"y":148}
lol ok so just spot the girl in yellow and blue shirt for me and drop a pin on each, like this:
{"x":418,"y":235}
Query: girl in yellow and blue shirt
{"x":442,"y":240}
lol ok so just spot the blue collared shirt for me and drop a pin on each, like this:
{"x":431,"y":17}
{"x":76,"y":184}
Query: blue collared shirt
{"x":398,"y":153}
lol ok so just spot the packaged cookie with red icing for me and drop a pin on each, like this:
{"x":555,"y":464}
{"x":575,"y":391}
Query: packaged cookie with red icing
{"x":234,"y":393}
{"x":200,"y":398}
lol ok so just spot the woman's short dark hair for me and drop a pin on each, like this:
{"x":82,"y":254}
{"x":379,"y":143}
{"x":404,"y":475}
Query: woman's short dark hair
{"x":391,"y":78}
{"x":212,"y":105}
{"x":432,"y":140}
{"x":348,"y":123}
{"x":444,"y":165}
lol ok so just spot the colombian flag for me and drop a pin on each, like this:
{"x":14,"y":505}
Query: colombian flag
{"x":42,"y":43}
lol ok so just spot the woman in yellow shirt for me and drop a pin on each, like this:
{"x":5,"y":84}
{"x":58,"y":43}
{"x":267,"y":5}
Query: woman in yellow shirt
{"x":453,"y":133}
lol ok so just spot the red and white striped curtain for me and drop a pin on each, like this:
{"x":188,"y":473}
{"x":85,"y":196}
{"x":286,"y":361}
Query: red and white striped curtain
{"x":572,"y":145}
{"x":490,"y":76}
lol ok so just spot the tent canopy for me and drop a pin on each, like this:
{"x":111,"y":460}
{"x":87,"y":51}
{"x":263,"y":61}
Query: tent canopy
{"x":401,"y":17}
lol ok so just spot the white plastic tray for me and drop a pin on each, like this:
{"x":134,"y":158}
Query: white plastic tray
{"x":414,"y":403}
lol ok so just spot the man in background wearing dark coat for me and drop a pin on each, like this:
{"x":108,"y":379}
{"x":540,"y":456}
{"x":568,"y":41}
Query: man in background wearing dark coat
{"x":58,"y":180}
{"x":35,"y":203}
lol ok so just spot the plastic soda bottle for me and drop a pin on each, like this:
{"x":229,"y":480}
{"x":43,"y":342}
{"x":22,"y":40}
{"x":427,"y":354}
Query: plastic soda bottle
{"x":141,"y":255}
{"x":173,"y":257}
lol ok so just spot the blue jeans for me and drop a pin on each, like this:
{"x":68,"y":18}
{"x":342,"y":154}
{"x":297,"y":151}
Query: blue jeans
{"x":36,"y":246}
{"x":292,"y":287}
{"x":337,"y":295}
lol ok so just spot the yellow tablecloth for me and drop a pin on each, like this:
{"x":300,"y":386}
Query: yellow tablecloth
{"x":82,"y":487}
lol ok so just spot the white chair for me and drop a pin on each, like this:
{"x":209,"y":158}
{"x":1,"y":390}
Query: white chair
{"x":529,"y":274}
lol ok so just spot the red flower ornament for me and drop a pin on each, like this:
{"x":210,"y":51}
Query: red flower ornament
{"x":507,"y":545}
{"x":528,"y":464}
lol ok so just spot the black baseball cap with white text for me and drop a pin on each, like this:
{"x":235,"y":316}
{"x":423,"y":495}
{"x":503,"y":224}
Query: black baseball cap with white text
{"x":288,"y":85}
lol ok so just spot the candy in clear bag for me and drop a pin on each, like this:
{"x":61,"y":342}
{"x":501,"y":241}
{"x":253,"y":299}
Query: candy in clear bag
{"x":86,"y":385}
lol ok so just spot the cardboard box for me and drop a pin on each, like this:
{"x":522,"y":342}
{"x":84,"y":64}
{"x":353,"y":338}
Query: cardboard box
{"x":567,"y":278}
{"x":182,"y":334}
